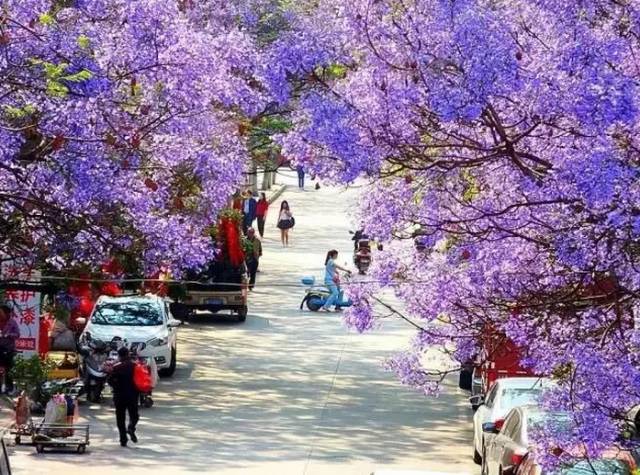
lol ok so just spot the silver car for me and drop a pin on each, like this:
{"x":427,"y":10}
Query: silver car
{"x":505,"y":394}
{"x":506,"y":447}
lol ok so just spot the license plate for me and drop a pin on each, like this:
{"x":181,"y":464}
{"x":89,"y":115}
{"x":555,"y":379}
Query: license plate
{"x":213,"y":301}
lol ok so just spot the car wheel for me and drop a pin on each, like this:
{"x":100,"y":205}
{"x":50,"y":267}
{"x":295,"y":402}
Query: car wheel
{"x":242,"y":313}
{"x":477,"y":458}
{"x":168,"y":372}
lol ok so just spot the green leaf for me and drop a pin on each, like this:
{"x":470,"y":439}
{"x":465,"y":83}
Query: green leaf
{"x":56,"y":89}
{"x":83,"y":41}
{"x":46,"y":19}
{"x":19,"y":112}
{"x":80,"y":76}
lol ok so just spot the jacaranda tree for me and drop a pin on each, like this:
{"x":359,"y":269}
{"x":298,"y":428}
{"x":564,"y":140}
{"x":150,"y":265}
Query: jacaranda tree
{"x":501,"y":143}
{"x":118,"y":126}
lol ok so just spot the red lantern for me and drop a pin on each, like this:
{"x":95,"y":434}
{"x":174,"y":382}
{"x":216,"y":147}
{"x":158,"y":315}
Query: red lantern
{"x":46,"y":324}
{"x":232,"y":238}
{"x":111,"y":289}
{"x":80,"y":289}
{"x":84,"y":306}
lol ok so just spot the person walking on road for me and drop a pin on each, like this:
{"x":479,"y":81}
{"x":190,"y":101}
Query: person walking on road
{"x":331,"y":280}
{"x":285,"y":222}
{"x":261,"y":213}
{"x":125,"y":396}
{"x":248,"y":210}
{"x":253,"y":256}
{"x":300,"y":170}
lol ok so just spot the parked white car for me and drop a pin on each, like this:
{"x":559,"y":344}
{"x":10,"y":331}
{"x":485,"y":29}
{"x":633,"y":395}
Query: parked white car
{"x":503,"y":396}
{"x":137,"y":319}
{"x":617,"y":462}
{"x":506,"y":448}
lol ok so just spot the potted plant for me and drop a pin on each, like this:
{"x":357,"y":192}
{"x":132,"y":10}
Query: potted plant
{"x":29,"y":374}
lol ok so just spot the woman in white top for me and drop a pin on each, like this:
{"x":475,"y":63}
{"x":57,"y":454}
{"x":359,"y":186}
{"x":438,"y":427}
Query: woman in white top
{"x":285,"y":222}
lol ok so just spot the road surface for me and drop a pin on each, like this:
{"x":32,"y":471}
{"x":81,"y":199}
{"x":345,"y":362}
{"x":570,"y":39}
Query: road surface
{"x":287,"y":392}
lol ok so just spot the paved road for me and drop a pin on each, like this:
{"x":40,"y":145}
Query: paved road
{"x":287,"y":392}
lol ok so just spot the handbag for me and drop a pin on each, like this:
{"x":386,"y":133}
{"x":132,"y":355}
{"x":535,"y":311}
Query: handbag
{"x":293,"y":221}
{"x":142,"y":378}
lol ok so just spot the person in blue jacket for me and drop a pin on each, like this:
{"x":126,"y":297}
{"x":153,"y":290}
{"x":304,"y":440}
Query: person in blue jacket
{"x":249,"y":206}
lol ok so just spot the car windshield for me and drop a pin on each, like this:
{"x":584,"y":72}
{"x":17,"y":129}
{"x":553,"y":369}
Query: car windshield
{"x":127,"y":314}
{"x":513,"y":397}
{"x":597,"y":467}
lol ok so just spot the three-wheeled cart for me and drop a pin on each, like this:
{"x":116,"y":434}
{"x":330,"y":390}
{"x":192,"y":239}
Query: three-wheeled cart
{"x":61,"y":436}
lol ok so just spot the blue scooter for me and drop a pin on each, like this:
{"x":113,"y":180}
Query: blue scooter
{"x":316,"y":296}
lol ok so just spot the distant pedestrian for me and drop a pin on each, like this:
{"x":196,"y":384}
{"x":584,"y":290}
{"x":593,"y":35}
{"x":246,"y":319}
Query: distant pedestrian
{"x":237,"y":201}
{"x":261,"y":213}
{"x":300,"y":170}
{"x":248,"y":210}
{"x":125,"y":396}
{"x":253,"y":257}
{"x":285,"y":222}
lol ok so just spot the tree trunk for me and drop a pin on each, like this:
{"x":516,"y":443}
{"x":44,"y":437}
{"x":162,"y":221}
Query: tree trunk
{"x":253,"y":177}
{"x":266,"y":179}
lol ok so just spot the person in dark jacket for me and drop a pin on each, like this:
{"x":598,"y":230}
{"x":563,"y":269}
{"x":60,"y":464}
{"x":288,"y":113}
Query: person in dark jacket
{"x":300,"y":170}
{"x":248,"y":211}
{"x":253,"y":258}
{"x":125,"y":396}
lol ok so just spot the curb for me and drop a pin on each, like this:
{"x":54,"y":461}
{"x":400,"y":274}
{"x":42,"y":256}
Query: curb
{"x":277,"y":194}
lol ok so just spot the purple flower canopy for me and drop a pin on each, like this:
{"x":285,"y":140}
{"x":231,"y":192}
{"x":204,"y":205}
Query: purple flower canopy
{"x":503,"y":138}
{"x":119,"y":127}
{"x":500,"y":140}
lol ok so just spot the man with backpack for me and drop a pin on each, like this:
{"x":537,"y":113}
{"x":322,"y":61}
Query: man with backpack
{"x":125,"y":396}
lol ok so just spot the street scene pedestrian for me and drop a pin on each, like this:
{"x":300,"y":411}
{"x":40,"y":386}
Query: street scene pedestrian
{"x":332,"y":281}
{"x":125,"y":396}
{"x":261,"y":213}
{"x":286,"y":221}
{"x":237,"y":201}
{"x":300,"y":171}
{"x":253,"y":256}
{"x":249,"y":205}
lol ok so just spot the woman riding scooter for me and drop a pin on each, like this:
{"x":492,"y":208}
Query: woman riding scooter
{"x":332,"y":280}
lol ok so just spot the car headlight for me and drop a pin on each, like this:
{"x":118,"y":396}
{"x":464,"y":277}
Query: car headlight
{"x":158,"y":341}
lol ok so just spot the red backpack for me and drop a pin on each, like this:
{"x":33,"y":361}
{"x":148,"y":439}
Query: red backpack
{"x":142,"y":378}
